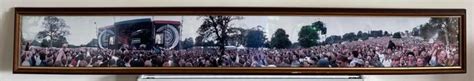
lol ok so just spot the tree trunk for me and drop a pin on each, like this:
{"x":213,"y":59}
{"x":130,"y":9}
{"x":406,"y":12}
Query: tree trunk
{"x":446,"y":36}
{"x":222,"y":44}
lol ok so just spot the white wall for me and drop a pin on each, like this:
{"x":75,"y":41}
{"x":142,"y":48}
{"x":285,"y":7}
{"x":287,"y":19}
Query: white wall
{"x":6,"y":29}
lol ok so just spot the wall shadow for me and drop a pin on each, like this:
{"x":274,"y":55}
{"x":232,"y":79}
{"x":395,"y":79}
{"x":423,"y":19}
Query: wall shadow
{"x":126,"y":77}
{"x":6,"y":41}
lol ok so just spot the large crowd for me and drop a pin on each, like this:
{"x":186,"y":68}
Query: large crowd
{"x":374,"y":52}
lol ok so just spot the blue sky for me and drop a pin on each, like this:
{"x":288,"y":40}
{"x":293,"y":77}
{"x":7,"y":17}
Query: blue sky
{"x":83,"y":27}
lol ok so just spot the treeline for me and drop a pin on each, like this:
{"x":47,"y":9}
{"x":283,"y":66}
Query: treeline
{"x":254,"y":38}
{"x":309,"y":35}
{"x":442,"y":29}
{"x":355,"y":36}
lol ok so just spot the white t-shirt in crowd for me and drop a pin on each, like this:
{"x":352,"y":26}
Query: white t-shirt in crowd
{"x":387,"y":63}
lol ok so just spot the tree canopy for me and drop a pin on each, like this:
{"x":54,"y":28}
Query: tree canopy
{"x":218,"y":27}
{"x":187,"y":43}
{"x":255,"y":37}
{"x":397,"y":35}
{"x":280,"y":39}
{"x":54,"y":33}
{"x":445,"y":28}
{"x":349,"y":37}
{"x":309,"y":34}
{"x":333,"y":39}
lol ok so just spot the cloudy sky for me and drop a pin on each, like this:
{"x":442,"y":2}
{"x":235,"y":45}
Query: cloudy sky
{"x":83,"y":28}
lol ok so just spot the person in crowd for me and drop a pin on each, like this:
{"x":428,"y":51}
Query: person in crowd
{"x":374,"y":52}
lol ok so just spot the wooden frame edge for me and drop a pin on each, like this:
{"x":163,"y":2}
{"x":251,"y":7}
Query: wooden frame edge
{"x":19,"y":11}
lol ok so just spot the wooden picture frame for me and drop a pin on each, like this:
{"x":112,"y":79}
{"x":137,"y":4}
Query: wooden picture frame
{"x":22,"y":12}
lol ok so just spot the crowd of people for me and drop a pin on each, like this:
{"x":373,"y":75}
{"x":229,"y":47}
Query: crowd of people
{"x":374,"y":52}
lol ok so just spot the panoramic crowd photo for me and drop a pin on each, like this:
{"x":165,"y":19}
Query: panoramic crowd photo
{"x":240,"y":41}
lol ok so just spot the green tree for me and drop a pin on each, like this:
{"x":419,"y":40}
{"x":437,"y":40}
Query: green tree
{"x":447,"y":29}
{"x":280,"y":39}
{"x":397,"y":35}
{"x":349,"y":36}
{"x":236,"y":36}
{"x":187,"y":43}
{"x":333,"y":39}
{"x":427,"y":31}
{"x":376,"y":33}
{"x":362,"y":35}
{"x":199,"y":40}
{"x":54,"y":33}
{"x":255,"y":38}
{"x":416,"y":31}
{"x":386,"y":33}
{"x":217,"y":27}
{"x":309,"y":34}
{"x":267,"y":44}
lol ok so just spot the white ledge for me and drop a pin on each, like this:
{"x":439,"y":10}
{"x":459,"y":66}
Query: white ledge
{"x":250,"y":77}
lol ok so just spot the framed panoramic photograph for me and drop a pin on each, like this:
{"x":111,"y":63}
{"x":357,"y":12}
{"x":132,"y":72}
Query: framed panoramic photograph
{"x":239,"y":40}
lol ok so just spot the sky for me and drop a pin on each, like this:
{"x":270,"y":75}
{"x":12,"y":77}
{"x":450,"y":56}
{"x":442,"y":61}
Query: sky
{"x":83,"y":28}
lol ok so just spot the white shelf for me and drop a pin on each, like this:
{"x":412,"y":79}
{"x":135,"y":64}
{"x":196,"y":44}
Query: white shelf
{"x":250,"y":78}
